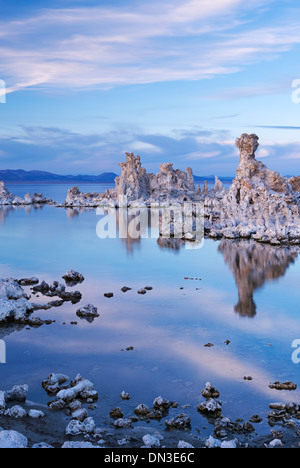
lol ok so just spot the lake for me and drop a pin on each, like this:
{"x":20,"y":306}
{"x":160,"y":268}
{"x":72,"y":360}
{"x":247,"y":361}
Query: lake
{"x":241,"y":297}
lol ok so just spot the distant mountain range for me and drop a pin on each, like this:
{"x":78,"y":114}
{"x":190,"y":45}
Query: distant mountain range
{"x":41,"y":177}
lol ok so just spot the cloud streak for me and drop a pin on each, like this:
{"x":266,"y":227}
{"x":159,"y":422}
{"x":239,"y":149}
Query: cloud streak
{"x":105,"y":47}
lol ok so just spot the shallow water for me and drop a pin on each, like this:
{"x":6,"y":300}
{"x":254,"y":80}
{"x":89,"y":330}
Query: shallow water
{"x":245,"y":292}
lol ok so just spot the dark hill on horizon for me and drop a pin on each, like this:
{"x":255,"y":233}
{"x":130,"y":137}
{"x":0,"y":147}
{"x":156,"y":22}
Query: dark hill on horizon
{"x":23,"y":177}
{"x":42,"y":177}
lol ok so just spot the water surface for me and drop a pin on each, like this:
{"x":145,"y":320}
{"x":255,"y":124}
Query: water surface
{"x":244,"y":292}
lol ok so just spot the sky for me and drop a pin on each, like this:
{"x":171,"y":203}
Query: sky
{"x":82,"y":82}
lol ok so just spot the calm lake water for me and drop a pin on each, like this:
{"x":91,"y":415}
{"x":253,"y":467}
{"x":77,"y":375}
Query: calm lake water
{"x":245,"y":292}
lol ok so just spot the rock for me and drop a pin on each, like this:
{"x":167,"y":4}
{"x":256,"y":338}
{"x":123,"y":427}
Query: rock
{"x":57,"y":289}
{"x":28,"y":281}
{"x":36,"y":414}
{"x":7,"y":198}
{"x":57,"y":405}
{"x":42,"y":445}
{"x":124,"y":395}
{"x":16,"y":412}
{"x":54,"y":382}
{"x":182,"y":444}
{"x":151,"y":441}
{"x":135,"y":185}
{"x":260,"y":201}
{"x":109,"y":295}
{"x":77,"y":428}
{"x":73,"y":277}
{"x":210,"y":391}
{"x":260,"y":204}
{"x":116,"y":413}
{"x":276,"y":443}
{"x":256,"y":419}
{"x":88,"y":311}
{"x":211,"y":407}
{"x":161,"y":403}
{"x":181,"y":421}
{"x":283,"y":386}
{"x":231,"y":444}
{"x":80,"y":414}
{"x":17,"y":393}
{"x":14,"y":302}
{"x":80,"y":388}
{"x":78,"y":445}
{"x":212,"y":443}
{"x":2,"y":401}
{"x":121,"y":423}
{"x":12,"y":440}
{"x":142,"y":410}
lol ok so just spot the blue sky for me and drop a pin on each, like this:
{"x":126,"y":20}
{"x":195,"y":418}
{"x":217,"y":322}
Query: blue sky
{"x":174,"y":81}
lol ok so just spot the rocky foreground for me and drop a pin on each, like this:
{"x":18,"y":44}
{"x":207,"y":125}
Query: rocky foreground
{"x":260,"y":204}
{"x":67,"y":421}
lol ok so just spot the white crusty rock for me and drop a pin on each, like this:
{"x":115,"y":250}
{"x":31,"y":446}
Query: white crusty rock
{"x":54,"y":383}
{"x":17,"y":393}
{"x":12,"y":440}
{"x":2,"y":401}
{"x":36,"y":414}
{"x":14,"y":302}
{"x":260,"y":202}
{"x":212,"y":443}
{"x":16,"y":412}
{"x":183,"y":444}
{"x":181,"y":421}
{"x":80,"y":388}
{"x":42,"y":445}
{"x":151,"y":441}
{"x":7,"y":198}
{"x":231,"y":444}
{"x":121,"y":422}
{"x":78,"y":445}
{"x":211,"y":407}
{"x":135,"y":185}
{"x":210,"y":392}
{"x":76,"y":427}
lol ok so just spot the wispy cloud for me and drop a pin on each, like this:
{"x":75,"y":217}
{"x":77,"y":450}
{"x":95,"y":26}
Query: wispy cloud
{"x":150,"y":42}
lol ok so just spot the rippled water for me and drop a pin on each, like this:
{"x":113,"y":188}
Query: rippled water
{"x":243,"y":292}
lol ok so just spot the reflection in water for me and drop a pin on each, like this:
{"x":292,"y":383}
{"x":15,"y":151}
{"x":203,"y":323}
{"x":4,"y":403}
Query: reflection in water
{"x":5,"y":210}
{"x":170,"y":243}
{"x":252,"y":264}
